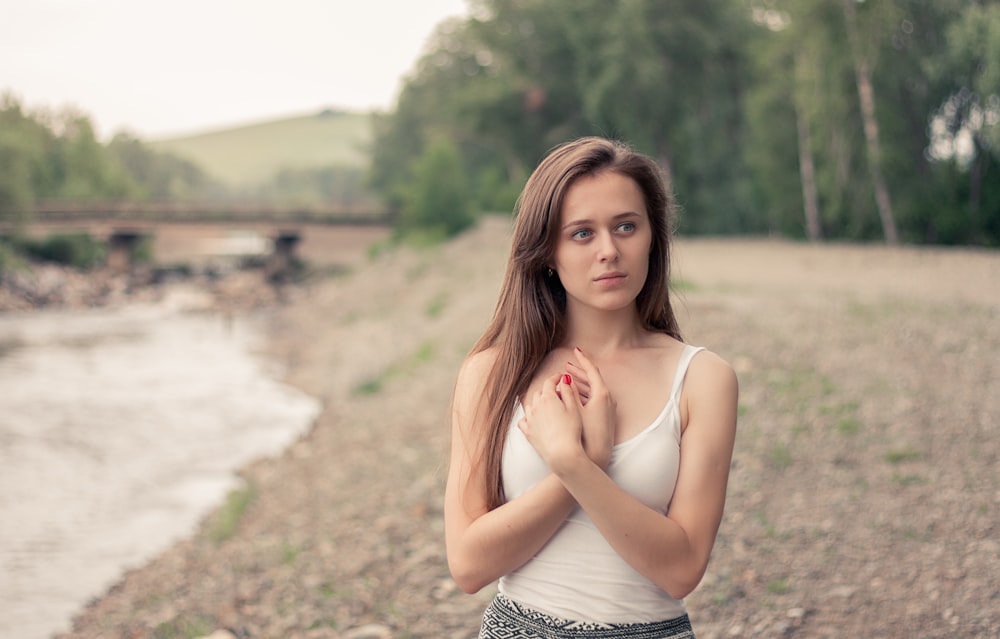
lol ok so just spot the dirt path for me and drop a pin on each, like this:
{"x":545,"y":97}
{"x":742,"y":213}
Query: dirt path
{"x":864,"y":496}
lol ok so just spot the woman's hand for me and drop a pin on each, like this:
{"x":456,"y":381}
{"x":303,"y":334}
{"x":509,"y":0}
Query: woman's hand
{"x":553,"y":423}
{"x":597,"y":409}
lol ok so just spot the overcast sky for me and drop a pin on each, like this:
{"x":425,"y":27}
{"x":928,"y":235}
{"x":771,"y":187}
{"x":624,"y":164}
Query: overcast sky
{"x":159,"y":68}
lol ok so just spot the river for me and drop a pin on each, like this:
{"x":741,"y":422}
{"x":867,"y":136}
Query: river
{"x":120,"y":429}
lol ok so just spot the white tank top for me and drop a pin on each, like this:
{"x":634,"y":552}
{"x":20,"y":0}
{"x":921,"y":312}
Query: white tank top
{"x":577,"y":574}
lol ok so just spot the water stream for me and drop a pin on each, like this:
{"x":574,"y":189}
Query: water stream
{"x":119,"y":431}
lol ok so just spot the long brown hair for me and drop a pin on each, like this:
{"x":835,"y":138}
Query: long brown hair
{"x":529,"y":320}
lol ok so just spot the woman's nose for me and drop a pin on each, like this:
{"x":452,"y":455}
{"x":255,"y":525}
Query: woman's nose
{"x":607,"y":248}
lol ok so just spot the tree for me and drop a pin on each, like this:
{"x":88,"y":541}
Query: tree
{"x":866,"y":98}
{"x":437,"y":202}
{"x":966,"y":126}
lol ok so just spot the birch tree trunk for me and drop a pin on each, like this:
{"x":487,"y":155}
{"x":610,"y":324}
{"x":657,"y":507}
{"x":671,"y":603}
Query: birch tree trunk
{"x":807,"y":170}
{"x":866,"y":96}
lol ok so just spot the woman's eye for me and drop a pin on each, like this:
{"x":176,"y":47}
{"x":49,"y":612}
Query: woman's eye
{"x":582,"y":234}
{"x":627,"y":227}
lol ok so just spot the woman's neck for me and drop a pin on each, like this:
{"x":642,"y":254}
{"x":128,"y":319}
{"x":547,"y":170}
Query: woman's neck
{"x":603,"y":332}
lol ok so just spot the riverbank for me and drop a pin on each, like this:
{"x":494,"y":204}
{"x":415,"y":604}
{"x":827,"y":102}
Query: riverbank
{"x":51,"y":286}
{"x":864,"y":495}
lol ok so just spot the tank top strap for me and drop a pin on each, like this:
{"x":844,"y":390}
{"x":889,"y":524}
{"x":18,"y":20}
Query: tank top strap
{"x":682,"y":367}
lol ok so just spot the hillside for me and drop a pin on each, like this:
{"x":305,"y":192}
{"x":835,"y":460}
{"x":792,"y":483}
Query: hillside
{"x":247,"y":155}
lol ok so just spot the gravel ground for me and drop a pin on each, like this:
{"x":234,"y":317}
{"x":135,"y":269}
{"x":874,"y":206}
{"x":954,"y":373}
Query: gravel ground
{"x":863,"y":500}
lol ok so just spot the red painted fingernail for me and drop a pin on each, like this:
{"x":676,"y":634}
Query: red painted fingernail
{"x":567,"y":380}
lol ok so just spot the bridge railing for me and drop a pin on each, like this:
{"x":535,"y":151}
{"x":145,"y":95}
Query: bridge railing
{"x":166,"y":212}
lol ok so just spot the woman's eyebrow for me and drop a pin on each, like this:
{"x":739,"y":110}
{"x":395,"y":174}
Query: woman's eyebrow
{"x":588,"y":221}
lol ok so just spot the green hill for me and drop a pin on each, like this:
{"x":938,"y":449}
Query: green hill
{"x":249,"y":155}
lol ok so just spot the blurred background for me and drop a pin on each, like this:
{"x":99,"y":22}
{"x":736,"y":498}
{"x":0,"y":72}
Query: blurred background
{"x":172,"y":175}
{"x":820,"y":119}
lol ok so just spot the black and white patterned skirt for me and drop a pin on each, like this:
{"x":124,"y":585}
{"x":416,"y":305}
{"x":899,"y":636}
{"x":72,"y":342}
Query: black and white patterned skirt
{"x":506,"y":619}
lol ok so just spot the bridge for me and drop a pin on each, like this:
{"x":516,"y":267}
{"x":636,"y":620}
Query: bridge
{"x":192,"y":232}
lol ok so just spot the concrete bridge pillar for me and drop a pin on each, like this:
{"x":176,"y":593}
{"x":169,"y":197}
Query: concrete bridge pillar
{"x":122,"y":245}
{"x":283,"y":258}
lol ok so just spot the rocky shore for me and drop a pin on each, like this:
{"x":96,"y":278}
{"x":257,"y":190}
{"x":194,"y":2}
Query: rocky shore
{"x":864,"y":495}
{"x":52,"y":286}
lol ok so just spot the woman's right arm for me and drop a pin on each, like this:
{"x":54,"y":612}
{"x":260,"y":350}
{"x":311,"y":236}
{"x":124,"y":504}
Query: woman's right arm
{"x":484,"y":544}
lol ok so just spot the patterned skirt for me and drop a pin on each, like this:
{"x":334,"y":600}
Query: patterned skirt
{"x":506,"y":619}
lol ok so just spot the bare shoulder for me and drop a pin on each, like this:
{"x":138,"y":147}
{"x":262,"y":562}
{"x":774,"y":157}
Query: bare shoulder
{"x":477,"y":367}
{"x":472,"y":378}
{"x":711,"y":378}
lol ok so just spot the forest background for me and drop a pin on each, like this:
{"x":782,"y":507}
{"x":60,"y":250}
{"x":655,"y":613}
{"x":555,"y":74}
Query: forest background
{"x":870,"y":120}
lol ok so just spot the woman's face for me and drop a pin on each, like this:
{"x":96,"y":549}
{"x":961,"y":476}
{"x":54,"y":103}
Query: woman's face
{"x":603,"y":243}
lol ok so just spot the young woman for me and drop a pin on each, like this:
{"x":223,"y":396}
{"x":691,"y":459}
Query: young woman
{"x":590,"y":445}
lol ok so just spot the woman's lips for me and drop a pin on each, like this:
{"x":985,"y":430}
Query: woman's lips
{"x":610,"y":279}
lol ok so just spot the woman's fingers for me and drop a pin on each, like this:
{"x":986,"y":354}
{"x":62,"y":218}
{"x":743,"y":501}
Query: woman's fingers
{"x":552,"y":421}
{"x":580,"y":380}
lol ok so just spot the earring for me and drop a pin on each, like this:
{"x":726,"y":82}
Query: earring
{"x":551,"y":272}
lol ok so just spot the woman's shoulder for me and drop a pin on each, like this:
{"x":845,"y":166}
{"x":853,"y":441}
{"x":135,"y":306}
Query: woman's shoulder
{"x":473,"y":373}
{"x":710,"y":375}
{"x":479,"y":364}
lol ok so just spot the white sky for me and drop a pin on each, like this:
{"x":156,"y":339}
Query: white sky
{"x":159,"y":68}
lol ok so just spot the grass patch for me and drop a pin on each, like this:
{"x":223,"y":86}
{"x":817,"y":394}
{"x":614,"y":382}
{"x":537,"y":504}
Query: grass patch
{"x":780,"y":456}
{"x":901,"y":455}
{"x":908,"y":480}
{"x":373,"y":386}
{"x":778,"y":586}
{"x":683,"y":286}
{"x":227,"y":518}
{"x":327,"y":591}
{"x":369,"y":387}
{"x":289,"y":553}
{"x":720,"y":599}
{"x":181,"y":628}
{"x":848,"y":426}
{"x":436,"y":305}
{"x":424,"y":354}
{"x":768,"y":527}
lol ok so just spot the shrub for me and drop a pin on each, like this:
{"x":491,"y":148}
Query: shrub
{"x":78,"y":250}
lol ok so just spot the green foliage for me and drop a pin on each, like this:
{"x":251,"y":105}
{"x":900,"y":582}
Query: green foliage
{"x":752,"y":108}
{"x":223,"y":523}
{"x":78,"y":250}
{"x":437,"y":201}
{"x":156,"y":174}
{"x":55,"y":155}
{"x":10,"y":257}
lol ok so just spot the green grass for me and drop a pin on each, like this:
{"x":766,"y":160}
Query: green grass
{"x":247,"y":155}
{"x":436,"y":305}
{"x":225,"y":521}
{"x":683,"y":286}
{"x":908,"y":480}
{"x":373,"y":385}
{"x":181,"y":628}
{"x":901,"y":455}
{"x":778,"y":587}
{"x":848,"y":426}
{"x":780,"y":456}
{"x":290,"y":553}
{"x":370,"y":386}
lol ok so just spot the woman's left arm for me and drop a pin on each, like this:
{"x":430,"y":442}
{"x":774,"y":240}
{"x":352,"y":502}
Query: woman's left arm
{"x":672,"y":550}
